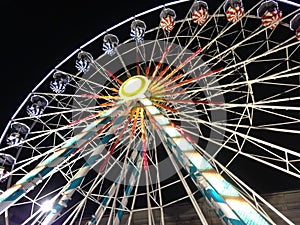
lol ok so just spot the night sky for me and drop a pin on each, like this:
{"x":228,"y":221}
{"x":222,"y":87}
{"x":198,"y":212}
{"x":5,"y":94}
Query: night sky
{"x":35,"y":39}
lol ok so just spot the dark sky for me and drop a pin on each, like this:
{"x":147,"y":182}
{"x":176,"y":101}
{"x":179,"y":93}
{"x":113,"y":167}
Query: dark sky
{"x":34,"y":39}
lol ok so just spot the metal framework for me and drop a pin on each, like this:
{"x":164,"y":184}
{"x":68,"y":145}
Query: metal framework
{"x":168,"y":113}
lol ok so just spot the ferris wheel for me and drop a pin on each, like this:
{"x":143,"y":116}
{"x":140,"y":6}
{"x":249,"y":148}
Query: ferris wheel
{"x":163,"y":108}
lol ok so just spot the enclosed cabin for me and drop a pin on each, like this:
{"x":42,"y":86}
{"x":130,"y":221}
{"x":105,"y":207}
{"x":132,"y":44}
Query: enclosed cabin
{"x":83,"y":61}
{"x":110,"y":42}
{"x":18,"y":132}
{"x":137,"y":30}
{"x":199,"y":12}
{"x":60,"y":82}
{"x":295,"y":25}
{"x":38,"y":105}
{"x":7,"y":163}
{"x":269,"y":14}
{"x":167,"y":19}
{"x":234,"y":10}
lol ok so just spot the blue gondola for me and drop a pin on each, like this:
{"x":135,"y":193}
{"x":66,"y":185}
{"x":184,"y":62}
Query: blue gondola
{"x":110,"y":42}
{"x":39,"y":103}
{"x":61,"y":80}
{"x":7,"y":163}
{"x":18,"y":132}
{"x":83,"y":62}
{"x":14,"y":139}
{"x":137,"y":31}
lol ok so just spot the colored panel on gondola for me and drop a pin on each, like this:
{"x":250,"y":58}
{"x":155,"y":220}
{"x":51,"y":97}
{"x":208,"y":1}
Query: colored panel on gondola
{"x":137,"y":31}
{"x":83,"y":62}
{"x":234,"y":10}
{"x":212,"y":185}
{"x":167,"y":19}
{"x":59,"y":82}
{"x":200,"y":12}
{"x":38,"y":105}
{"x":295,"y":25}
{"x":270,"y":14}
{"x":110,"y":42}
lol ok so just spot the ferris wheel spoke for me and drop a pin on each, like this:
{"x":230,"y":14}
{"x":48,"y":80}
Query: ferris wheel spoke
{"x":259,"y":142}
{"x":112,"y":190}
{"x":273,"y":99}
{"x":270,"y":127}
{"x":202,"y":90}
{"x":249,"y":60}
{"x":249,"y":82}
{"x":185,"y":153}
{"x":131,"y":183}
{"x":293,"y":108}
{"x":89,"y":82}
{"x":291,"y":119}
{"x":216,"y":38}
{"x":248,"y":191}
{"x":108,"y":75}
{"x":45,"y":168}
{"x":80,"y":175}
{"x":106,"y":200}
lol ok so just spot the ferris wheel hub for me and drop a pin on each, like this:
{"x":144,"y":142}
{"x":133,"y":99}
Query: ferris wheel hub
{"x":134,"y":88}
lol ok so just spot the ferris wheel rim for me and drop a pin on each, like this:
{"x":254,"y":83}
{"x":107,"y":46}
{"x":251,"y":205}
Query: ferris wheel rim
{"x":83,"y":46}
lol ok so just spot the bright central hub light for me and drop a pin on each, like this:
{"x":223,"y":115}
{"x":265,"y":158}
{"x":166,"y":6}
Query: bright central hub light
{"x":134,"y":87}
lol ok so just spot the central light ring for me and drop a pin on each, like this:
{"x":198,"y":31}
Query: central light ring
{"x":135,"y":87}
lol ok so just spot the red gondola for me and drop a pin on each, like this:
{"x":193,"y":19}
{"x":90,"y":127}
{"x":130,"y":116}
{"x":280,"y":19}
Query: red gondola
{"x":200,"y":12}
{"x":167,"y":21}
{"x":270,"y":14}
{"x":295,"y":25}
{"x":234,"y":10}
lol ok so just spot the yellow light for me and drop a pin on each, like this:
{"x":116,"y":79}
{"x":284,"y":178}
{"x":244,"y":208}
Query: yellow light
{"x":133,"y":88}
